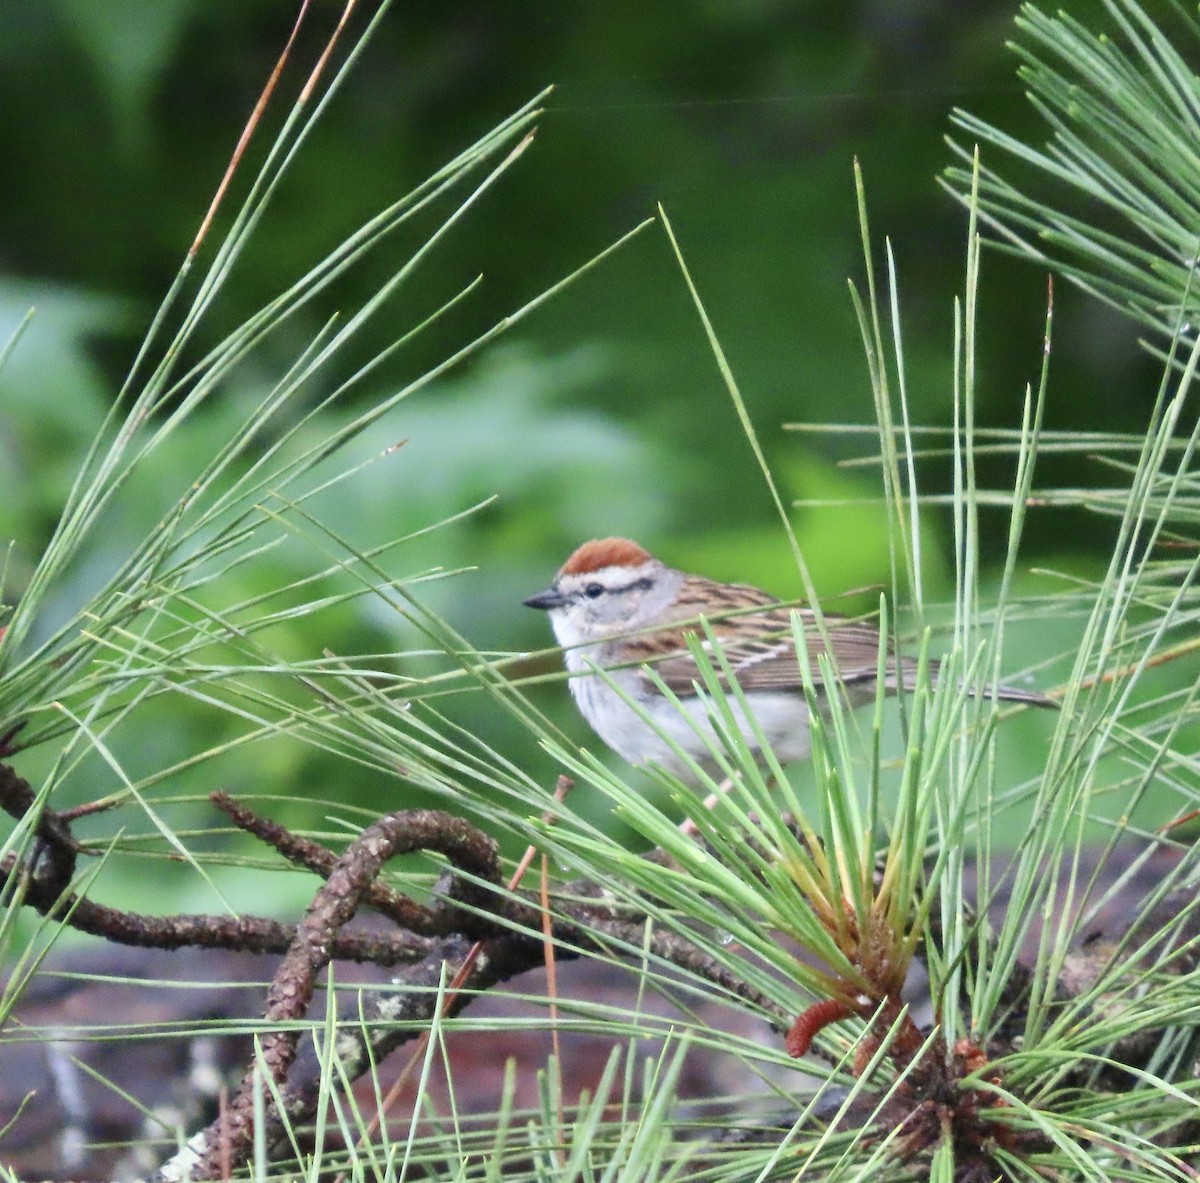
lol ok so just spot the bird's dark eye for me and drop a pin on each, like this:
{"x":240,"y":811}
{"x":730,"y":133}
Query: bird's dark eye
{"x":594,"y":590}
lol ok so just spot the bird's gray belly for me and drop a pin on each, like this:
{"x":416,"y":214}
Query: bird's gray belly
{"x":783,"y":718}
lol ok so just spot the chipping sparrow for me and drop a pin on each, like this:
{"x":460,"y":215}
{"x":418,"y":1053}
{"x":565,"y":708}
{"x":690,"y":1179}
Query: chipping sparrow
{"x":614,"y":606}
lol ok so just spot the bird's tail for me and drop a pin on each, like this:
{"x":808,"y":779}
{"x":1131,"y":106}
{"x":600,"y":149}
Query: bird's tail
{"x":908,"y":680}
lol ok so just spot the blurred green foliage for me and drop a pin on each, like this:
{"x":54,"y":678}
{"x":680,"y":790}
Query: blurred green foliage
{"x":604,"y":413}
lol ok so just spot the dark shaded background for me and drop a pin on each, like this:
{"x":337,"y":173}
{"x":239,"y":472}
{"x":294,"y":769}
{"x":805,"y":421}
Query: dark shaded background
{"x":604,"y":412}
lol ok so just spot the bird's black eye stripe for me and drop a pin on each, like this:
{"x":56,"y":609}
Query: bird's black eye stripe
{"x":593,"y":591}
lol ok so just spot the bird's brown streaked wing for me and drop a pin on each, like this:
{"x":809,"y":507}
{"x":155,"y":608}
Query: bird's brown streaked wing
{"x":766,"y":659}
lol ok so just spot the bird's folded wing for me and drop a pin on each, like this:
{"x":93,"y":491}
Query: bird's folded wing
{"x":765,"y":659}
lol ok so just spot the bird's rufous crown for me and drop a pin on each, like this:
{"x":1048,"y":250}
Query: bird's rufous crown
{"x":604,"y":552}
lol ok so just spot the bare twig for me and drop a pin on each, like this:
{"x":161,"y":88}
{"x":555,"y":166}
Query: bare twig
{"x":334,"y":905}
{"x":439,"y":919}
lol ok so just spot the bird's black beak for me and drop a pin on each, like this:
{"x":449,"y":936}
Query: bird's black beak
{"x":550,"y":598}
